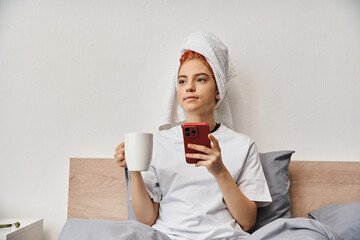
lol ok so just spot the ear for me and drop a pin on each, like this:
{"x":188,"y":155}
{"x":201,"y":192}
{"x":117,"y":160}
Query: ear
{"x":217,"y":95}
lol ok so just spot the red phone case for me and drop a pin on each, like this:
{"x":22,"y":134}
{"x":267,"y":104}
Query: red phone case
{"x":196,"y":133}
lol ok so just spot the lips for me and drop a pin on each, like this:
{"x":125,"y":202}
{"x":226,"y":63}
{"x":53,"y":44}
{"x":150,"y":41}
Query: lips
{"x":190,"y":98}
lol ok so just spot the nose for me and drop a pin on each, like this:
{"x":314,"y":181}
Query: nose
{"x":190,"y":87}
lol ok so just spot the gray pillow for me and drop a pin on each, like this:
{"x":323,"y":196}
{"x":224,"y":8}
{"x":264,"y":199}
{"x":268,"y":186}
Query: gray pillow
{"x":275,"y":166}
{"x":342,"y":218}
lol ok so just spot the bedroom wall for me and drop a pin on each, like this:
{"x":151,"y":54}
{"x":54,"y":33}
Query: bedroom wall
{"x":76,"y":75}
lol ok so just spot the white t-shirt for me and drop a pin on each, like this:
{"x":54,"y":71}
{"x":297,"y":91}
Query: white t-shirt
{"x":191,"y":203}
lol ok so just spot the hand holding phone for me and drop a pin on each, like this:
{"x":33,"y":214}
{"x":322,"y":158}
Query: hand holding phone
{"x":195,"y":133}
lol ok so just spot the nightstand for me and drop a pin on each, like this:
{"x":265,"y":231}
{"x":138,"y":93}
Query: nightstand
{"x":30,"y":229}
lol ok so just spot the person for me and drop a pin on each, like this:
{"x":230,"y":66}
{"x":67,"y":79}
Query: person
{"x":219,"y":195}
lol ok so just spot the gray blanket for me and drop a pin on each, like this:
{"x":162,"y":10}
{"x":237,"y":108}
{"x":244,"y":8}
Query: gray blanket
{"x":296,"y":228}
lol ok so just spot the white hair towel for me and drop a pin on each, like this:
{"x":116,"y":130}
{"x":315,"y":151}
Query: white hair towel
{"x":216,"y":54}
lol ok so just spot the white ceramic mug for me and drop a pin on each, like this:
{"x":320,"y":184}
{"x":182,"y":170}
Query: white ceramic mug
{"x":138,"y":151}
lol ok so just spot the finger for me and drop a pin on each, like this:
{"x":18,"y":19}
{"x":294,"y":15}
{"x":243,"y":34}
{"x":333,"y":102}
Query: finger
{"x":201,"y":163}
{"x":121,"y":145}
{"x":121,"y":151}
{"x":200,"y":148}
{"x":214,"y":141}
{"x":197,"y":156}
{"x":120,"y":157}
{"x":123,"y":164}
{"x":117,"y":154}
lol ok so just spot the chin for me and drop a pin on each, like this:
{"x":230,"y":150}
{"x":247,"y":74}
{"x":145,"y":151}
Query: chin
{"x":190,"y":109}
{"x":197,"y":110}
{"x":196,"y":107}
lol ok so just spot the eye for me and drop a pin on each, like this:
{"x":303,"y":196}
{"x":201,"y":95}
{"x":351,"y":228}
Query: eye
{"x":181,"y":81}
{"x":201,"y":80}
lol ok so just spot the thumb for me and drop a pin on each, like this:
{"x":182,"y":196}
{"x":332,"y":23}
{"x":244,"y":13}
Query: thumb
{"x":214,"y":141}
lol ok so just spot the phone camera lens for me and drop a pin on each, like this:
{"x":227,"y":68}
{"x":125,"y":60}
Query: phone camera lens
{"x":187,"y":129}
{"x":187,"y":134}
{"x":193,"y":131}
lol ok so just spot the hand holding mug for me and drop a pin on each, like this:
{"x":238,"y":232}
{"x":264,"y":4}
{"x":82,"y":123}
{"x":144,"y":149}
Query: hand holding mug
{"x":138,"y":148}
{"x":120,"y":155}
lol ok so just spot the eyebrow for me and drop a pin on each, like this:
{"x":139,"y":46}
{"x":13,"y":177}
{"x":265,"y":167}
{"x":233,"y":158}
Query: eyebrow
{"x":198,"y":74}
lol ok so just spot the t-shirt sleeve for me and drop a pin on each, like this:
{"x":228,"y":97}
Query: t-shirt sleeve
{"x":252,"y":181}
{"x":152,"y":183}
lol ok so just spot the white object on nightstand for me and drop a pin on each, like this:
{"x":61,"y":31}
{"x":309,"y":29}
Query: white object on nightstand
{"x":30,"y":229}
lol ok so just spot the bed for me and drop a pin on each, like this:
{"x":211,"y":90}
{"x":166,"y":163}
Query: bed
{"x":98,"y":190}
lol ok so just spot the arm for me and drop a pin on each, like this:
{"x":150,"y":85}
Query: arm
{"x":146,"y":211}
{"x":241,"y":208}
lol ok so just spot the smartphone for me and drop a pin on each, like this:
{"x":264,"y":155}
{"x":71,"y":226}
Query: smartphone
{"x":195,"y":133}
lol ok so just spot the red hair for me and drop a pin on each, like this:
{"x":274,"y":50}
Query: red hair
{"x":188,"y":55}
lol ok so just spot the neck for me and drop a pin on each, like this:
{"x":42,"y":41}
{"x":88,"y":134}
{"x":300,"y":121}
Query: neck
{"x":202,"y":118}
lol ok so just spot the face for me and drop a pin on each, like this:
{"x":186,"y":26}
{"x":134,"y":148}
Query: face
{"x":196,"y":88}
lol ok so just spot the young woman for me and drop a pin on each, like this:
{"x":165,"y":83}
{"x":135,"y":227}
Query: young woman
{"x":218,"y":196}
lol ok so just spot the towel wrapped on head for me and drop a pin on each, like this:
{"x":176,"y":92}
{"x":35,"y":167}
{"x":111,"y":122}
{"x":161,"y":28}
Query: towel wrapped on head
{"x":216,"y":54}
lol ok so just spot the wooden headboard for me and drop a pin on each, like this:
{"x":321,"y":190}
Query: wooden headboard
{"x":316,"y":184}
{"x":97,"y":188}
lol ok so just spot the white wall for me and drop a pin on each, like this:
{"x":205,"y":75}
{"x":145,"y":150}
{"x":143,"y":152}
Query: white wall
{"x":76,"y":75}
